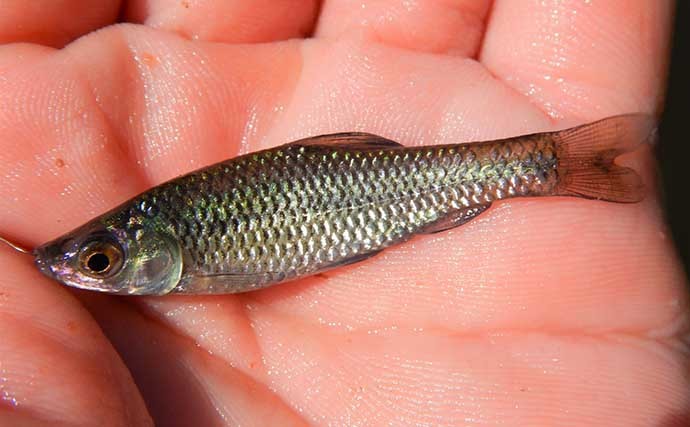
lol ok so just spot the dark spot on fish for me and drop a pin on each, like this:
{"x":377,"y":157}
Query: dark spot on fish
{"x":322,"y":275}
{"x":59,"y":163}
{"x":185,"y":4}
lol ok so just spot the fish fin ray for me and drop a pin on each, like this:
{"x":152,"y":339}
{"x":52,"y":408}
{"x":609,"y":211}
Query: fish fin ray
{"x":454,"y":219}
{"x":227,"y":283}
{"x":354,"y":259}
{"x":587,"y":154}
{"x":359,"y":140}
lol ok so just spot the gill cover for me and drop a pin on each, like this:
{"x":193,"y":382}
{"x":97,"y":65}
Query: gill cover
{"x":153,"y":264}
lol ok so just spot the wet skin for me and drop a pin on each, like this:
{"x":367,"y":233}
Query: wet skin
{"x":541,"y":312}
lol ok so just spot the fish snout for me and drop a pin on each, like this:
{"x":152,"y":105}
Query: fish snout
{"x":44,"y":259}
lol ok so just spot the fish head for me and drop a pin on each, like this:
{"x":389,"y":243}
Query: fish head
{"x":113,"y":258}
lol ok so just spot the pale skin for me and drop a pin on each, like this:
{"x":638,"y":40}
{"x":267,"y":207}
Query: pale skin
{"x":542,"y":312}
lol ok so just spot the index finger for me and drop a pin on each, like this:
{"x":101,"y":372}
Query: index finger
{"x":581,"y":58}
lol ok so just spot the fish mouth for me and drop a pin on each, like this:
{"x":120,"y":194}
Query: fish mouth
{"x":45,"y":258}
{"x":41,"y":264}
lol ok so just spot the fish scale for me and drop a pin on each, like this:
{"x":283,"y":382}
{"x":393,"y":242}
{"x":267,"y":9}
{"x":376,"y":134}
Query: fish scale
{"x":344,"y":200}
{"x":316,"y":204}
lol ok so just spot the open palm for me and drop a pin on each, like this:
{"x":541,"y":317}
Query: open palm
{"x":542,"y":312}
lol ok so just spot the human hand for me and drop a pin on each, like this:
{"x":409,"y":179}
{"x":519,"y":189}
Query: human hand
{"x":541,"y":312}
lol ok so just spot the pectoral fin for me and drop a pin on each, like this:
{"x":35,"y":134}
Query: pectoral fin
{"x":454,"y":219}
{"x":229,"y":283}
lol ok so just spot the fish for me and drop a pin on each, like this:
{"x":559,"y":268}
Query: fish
{"x":323,"y":202}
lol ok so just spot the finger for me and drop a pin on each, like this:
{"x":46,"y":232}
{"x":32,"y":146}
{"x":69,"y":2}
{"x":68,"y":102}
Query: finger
{"x":391,"y":376}
{"x":234,"y":21}
{"x":57,"y":367}
{"x":346,"y":85}
{"x":204,"y":390}
{"x":582,"y":59}
{"x":181,"y":111}
{"x":48,"y":23}
{"x":452,"y":27}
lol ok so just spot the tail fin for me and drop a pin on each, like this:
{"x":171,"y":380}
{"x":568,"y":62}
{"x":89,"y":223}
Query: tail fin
{"x":587,"y":154}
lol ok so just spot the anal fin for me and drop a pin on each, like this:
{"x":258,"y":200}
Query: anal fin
{"x":454,"y":219}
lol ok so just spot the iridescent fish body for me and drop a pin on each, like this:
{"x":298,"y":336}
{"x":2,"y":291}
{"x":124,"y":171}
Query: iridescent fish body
{"x":315,"y":204}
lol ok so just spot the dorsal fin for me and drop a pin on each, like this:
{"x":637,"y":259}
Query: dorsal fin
{"x":359,"y":140}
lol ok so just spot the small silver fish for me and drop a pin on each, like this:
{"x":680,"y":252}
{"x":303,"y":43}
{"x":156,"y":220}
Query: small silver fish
{"x":323,"y":202}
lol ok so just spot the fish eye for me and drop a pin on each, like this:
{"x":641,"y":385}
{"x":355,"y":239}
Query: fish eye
{"x":100,"y":259}
{"x":98,"y":262}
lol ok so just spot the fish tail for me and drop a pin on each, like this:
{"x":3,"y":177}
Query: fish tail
{"x":586,"y":158}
